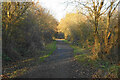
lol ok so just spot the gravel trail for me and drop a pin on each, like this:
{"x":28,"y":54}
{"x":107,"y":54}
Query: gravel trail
{"x":61,"y":64}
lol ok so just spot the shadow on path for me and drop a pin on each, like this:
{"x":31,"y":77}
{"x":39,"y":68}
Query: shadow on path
{"x":57,"y":65}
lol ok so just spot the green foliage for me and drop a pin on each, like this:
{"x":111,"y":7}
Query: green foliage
{"x":27,"y":29}
{"x":92,"y":30}
{"x":81,"y":58}
{"x":21,"y":67}
{"x":66,"y":41}
{"x":77,"y":29}
{"x":77,"y":49}
{"x":50,"y":49}
{"x":6,"y":58}
{"x":104,"y":66}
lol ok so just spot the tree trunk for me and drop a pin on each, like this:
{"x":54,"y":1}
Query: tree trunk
{"x":106,"y":31}
{"x":96,"y":34}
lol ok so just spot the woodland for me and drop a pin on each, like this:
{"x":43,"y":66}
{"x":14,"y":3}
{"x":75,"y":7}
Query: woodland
{"x":29,"y":31}
{"x":26,"y":29}
{"x":95,"y":27}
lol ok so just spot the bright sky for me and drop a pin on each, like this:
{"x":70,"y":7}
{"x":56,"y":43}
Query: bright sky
{"x":57,"y":7}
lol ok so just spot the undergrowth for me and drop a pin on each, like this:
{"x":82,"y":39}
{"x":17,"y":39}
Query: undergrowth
{"x":51,"y":48}
{"x":105,"y":69}
{"x":22,"y":67}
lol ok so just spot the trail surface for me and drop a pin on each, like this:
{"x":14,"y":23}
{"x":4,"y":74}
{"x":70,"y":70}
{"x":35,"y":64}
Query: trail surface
{"x":60,"y":64}
{"x":57,"y":65}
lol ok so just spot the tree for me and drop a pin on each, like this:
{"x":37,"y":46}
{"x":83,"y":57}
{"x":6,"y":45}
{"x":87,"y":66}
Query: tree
{"x":27,"y":28}
{"x":95,"y":9}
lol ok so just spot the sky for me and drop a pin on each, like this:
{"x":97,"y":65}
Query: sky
{"x":57,"y":7}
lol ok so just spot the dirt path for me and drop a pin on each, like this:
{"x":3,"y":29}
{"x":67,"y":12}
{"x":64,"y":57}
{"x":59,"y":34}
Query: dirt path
{"x":57,"y":65}
{"x":61,"y":64}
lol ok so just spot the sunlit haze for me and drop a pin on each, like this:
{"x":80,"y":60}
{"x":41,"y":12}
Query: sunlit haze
{"x":56,"y":7}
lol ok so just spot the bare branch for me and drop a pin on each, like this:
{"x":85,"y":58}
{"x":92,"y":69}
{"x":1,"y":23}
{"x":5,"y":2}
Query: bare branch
{"x":105,"y":10}
{"x":115,"y":8}
{"x":109,"y":13}
{"x":85,"y":5}
{"x":101,"y":5}
{"x":94,"y":6}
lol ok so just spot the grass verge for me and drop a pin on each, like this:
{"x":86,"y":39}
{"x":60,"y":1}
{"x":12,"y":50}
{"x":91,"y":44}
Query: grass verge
{"x":26,"y":65}
{"x":77,"y":49}
{"x":50,"y":49}
{"x":104,"y":68}
{"x":66,"y":41}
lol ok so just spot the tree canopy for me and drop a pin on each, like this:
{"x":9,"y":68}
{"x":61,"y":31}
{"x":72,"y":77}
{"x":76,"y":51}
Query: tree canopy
{"x":26,"y":28}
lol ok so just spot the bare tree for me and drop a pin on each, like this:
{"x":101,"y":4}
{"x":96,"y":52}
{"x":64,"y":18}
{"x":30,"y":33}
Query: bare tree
{"x":95,"y":9}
